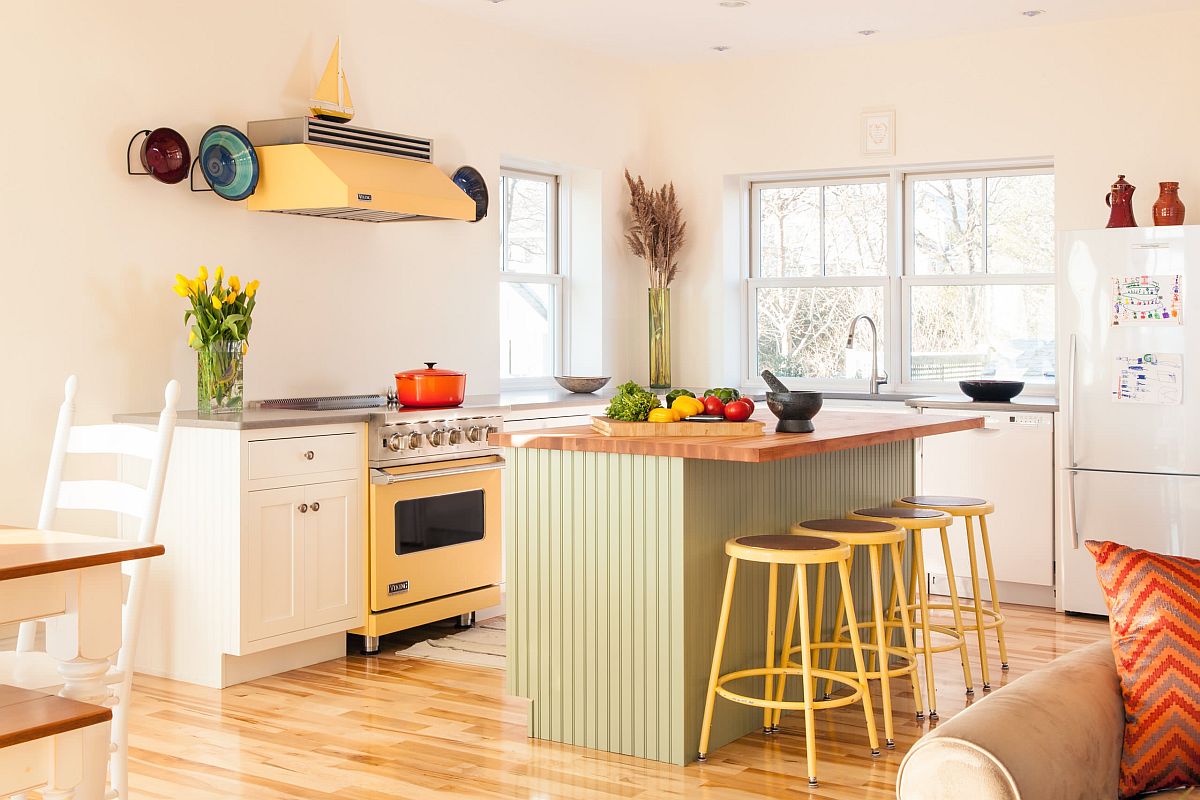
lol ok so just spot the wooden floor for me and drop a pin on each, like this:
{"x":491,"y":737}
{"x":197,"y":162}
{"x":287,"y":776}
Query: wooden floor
{"x":390,"y":727}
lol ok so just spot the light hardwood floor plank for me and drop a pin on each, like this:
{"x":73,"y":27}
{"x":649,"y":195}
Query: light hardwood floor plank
{"x":391,"y":728}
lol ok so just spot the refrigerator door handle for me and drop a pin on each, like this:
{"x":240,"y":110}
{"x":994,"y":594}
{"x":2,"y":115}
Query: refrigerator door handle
{"x":1072,"y":515}
{"x":1071,"y":405}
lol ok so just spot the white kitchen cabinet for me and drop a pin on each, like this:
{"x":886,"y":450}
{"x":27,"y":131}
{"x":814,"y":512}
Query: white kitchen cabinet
{"x":298,"y":547}
{"x":1010,"y":461}
{"x":265,"y":540}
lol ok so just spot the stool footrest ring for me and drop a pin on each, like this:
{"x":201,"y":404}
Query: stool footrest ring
{"x":791,"y":672}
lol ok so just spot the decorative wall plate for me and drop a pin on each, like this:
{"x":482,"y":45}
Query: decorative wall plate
{"x":228,"y":162}
{"x":165,"y":155}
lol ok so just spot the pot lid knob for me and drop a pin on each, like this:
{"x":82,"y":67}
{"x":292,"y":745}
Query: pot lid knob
{"x":430,"y":364}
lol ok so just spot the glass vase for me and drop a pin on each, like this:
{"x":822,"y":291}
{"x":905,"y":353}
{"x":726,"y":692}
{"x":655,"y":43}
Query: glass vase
{"x":219,"y":377}
{"x":660,"y":338}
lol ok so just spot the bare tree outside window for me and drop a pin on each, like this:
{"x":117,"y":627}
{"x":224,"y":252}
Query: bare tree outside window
{"x":530,"y":282}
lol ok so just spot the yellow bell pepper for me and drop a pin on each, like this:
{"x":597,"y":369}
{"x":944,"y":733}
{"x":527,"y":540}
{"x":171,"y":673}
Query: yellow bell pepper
{"x":661,"y":415}
{"x":687,"y":406}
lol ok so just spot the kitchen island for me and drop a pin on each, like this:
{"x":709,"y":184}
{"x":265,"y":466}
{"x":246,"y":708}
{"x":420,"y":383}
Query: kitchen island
{"x":615,"y":563}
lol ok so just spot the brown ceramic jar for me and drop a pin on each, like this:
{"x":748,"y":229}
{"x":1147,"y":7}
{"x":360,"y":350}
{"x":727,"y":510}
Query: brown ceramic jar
{"x":1168,"y":209}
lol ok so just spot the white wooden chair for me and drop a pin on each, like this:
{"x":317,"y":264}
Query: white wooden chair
{"x":34,"y":669}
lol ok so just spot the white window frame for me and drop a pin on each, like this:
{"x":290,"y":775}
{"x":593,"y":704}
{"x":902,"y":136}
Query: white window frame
{"x":899,"y":277}
{"x":555,"y":277}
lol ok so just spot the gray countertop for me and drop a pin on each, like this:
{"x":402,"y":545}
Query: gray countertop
{"x":524,"y":403}
{"x":1022,"y":404}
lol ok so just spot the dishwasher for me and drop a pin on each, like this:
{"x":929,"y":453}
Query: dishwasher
{"x":1010,"y":462}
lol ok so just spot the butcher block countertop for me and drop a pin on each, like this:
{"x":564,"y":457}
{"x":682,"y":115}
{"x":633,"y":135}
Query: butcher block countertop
{"x":836,"y":430}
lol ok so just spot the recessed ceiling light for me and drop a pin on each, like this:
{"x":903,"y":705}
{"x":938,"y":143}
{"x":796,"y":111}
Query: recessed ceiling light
{"x":868,"y":32}
{"x":721,"y":48}
{"x":1033,"y":12}
{"x":733,"y":3}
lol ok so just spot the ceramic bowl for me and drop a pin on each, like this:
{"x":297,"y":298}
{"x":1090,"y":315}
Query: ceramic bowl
{"x":795,"y":410}
{"x":987,"y":391}
{"x":580,"y":385}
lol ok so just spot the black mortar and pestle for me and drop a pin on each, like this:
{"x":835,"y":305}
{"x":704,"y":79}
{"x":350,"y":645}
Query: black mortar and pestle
{"x":795,"y":410}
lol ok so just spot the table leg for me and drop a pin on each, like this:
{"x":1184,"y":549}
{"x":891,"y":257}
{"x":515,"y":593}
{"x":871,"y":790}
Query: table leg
{"x":83,"y":641}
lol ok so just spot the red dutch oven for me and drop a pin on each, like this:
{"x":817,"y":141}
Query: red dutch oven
{"x":430,"y":387}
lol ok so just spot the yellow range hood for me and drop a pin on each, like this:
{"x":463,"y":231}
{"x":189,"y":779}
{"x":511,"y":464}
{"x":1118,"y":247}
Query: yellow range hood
{"x":321,"y":169}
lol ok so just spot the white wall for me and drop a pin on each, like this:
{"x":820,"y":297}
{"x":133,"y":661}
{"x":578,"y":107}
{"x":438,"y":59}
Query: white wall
{"x":89,"y":253}
{"x":1099,"y":98}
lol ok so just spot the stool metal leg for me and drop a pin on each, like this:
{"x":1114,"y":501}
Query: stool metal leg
{"x":819,"y":613}
{"x":980,"y":629}
{"x":987,"y":557}
{"x":789,"y":632}
{"x":906,"y":624}
{"x":874,"y":551}
{"x":837,"y":630}
{"x":893,"y":595}
{"x":923,"y":600}
{"x":810,"y":733}
{"x":956,"y":607}
{"x":768,"y":679}
{"x":718,"y":651}
{"x":859,"y":662}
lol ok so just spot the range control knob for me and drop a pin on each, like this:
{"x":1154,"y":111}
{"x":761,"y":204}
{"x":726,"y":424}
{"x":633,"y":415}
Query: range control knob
{"x":454,"y":436}
{"x":437,"y":437}
{"x":396,"y":442}
{"x":477,"y":434}
{"x":414,"y":441}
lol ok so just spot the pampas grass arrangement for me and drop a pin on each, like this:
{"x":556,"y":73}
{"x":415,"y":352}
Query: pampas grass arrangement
{"x":657,"y":230}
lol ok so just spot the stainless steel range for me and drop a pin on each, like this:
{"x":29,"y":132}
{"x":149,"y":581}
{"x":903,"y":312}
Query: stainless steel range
{"x":433,"y":522}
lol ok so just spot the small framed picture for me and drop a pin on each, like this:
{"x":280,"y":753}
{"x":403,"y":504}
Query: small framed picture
{"x":879,"y":133}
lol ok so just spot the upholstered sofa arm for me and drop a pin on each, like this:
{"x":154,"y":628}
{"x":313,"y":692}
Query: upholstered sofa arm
{"x":1054,"y":734}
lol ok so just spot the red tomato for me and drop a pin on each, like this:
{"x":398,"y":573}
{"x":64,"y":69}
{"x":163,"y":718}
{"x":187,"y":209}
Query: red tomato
{"x":714,"y":406}
{"x":748,"y":402}
{"x":737,"y":411}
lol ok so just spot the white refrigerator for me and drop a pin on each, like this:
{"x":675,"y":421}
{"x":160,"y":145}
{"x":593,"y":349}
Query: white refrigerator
{"x":1129,"y":441}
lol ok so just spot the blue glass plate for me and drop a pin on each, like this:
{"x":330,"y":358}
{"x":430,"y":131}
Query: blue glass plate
{"x":228,"y":162}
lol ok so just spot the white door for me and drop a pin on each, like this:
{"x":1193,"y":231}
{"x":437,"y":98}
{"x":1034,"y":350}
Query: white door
{"x":333,"y":544}
{"x":1011,"y":463}
{"x":272,"y":568}
{"x":1150,"y":512}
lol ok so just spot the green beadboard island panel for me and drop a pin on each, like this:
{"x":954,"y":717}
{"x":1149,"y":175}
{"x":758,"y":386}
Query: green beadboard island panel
{"x":615,"y":569}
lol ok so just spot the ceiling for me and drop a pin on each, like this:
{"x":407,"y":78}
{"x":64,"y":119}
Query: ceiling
{"x":654,"y":31}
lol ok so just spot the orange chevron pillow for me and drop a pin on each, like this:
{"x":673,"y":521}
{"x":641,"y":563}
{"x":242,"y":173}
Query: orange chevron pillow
{"x":1154,"y":614}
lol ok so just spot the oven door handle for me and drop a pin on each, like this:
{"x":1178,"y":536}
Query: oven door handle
{"x":379,"y":478}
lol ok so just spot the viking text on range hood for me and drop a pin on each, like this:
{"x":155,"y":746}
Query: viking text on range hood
{"x":321,"y":169}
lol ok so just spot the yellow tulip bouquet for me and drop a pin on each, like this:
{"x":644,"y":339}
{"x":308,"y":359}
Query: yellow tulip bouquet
{"x":219,"y":332}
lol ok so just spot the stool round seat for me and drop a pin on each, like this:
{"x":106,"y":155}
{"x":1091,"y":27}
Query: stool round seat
{"x":908,"y":518}
{"x":951,"y":504}
{"x":779,"y":548}
{"x":851,"y":531}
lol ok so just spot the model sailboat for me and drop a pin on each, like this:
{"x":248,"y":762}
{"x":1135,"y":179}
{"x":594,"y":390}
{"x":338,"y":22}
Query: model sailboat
{"x":332,"y":99}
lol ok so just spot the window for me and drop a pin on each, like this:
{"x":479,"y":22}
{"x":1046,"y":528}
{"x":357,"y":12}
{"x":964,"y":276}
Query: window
{"x":531,"y":285}
{"x":956,"y":269}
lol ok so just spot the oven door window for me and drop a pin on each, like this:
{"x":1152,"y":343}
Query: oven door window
{"x":428,"y":523}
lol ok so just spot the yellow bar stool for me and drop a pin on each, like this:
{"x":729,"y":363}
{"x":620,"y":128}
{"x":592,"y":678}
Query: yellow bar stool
{"x":798,"y":551}
{"x":916,"y":521}
{"x":873,"y":536}
{"x":985,"y":619}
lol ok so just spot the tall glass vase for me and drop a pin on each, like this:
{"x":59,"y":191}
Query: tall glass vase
{"x":660,"y":338}
{"x":219,"y":377}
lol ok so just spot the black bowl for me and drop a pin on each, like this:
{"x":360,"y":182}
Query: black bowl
{"x":991,"y":391}
{"x":795,"y":410}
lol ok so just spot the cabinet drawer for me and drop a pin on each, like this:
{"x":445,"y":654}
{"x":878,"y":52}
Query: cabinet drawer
{"x":303,"y":455}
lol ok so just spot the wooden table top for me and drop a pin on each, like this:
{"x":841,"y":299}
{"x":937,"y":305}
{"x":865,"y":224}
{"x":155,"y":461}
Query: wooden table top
{"x":25,"y":552}
{"x":836,"y":430}
{"x":26,"y":715}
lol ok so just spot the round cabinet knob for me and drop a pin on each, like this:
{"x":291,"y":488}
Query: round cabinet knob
{"x":315,"y":506}
{"x":303,"y":508}
{"x":309,"y":455}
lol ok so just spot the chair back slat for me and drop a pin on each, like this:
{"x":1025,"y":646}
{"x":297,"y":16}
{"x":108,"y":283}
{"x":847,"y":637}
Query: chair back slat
{"x":120,"y":498}
{"x":125,"y":440}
